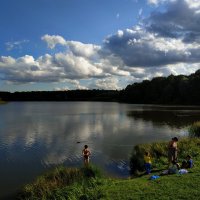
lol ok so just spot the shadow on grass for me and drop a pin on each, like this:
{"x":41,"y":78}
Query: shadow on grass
{"x":152,"y":172}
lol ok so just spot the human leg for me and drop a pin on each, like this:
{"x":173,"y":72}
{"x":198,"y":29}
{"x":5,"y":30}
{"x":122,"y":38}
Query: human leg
{"x":147,"y":168}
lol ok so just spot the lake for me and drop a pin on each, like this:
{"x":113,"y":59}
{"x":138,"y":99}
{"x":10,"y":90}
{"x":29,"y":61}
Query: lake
{"x":37,"y":136}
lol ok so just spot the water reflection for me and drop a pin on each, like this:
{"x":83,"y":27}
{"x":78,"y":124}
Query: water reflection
{"x":35,"y":136}
{"x":177,"y":117}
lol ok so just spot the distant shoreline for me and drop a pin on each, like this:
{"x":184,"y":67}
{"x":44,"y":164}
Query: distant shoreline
{"x":171,"y":90}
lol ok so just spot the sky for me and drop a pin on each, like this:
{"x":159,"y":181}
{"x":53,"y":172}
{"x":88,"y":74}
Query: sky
{"x":49,"y":45}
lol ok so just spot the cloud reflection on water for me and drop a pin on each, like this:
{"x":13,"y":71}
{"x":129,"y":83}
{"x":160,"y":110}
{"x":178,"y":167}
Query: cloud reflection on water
{"x":55,"y":130}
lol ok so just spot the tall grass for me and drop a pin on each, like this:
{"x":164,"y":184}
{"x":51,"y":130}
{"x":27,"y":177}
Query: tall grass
{"x":65,"y":183}
{"x":194,"y":129}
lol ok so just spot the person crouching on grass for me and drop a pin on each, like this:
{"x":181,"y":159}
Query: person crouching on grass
{"x":86,"y":155}
{"x":147,"y":162}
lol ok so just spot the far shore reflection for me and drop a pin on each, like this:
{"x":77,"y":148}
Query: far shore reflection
{"x":175,"y":117}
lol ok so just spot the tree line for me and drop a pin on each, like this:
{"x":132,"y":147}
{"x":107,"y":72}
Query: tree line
{"x":179,"y":89}
{"x":70,"y":95}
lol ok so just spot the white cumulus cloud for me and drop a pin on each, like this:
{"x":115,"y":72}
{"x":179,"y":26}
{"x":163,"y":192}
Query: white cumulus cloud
{"x":110,"y":83}
{"x":53,"y":40}
{"x":165,"y":42}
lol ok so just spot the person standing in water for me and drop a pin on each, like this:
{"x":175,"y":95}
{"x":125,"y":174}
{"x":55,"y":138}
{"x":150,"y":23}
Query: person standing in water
{"x":86,"y":155}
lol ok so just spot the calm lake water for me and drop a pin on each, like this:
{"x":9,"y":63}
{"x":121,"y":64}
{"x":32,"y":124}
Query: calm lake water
{"x":36,"y":136}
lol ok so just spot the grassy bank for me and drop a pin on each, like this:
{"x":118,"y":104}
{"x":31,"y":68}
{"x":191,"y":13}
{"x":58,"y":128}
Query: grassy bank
{"x":66,"y":183}
{"x":164,"y":188}
{"x":88,"y":183}
{"x":158,"y":151}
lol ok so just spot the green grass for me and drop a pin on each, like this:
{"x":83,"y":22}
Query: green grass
{"x":166,"y":187}
{"x":89,"y":183}
{"x":65,"y":183}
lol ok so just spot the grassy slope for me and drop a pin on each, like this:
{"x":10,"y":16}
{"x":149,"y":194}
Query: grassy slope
{"x":166,"y":187}
{"x":88,"y":184}
{"x":185,"y":186}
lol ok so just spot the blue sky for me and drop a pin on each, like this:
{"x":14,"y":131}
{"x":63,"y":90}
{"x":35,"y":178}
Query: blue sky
{"x":95,"y":44}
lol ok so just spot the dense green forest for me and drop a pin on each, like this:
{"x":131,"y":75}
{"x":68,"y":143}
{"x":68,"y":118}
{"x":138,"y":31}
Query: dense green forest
{"x":179,"y":89}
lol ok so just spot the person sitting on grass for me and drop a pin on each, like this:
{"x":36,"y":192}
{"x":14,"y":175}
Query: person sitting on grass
{"x":172,"y":169}
{"x":147,"y":162}
{"x":176,"y":165}
{"x":188,"y":163}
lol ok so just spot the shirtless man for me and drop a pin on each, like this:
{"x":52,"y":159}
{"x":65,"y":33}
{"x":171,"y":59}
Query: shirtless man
{"x":172,"y":151}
